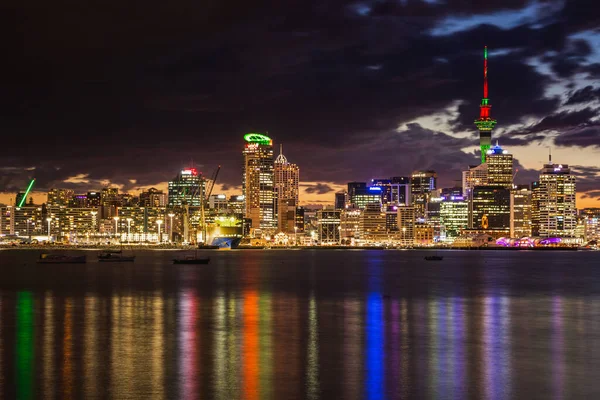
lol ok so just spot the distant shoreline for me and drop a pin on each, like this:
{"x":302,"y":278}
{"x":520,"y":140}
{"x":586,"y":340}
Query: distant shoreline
{"x":189,"y":248}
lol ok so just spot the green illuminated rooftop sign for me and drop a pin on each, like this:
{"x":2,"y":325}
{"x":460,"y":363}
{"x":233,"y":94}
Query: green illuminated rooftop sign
{"x":257,"y":138}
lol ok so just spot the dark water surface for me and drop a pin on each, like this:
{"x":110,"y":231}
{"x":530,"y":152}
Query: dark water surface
{"x":303,"y":324}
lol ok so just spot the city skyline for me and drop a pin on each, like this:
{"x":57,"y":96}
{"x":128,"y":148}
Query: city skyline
{"x":398,"y":92}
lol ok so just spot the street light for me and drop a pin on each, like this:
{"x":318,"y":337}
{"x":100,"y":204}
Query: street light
{"x":28,"y":221}
{"x":403,"y":237}
{"x":171,"y":215}
{"x":159,"y":222}
{"x":295,"y":232}
{"x":49,"y":220}
{"x":116,"y":226}
{"x":128,"y":229}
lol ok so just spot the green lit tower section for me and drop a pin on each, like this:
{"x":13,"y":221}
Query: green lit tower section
{"x":485,"y":123}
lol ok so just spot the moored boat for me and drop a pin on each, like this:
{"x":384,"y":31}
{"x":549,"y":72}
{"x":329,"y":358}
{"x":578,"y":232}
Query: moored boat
{"x":434,"y":258}
{"x":115,"y":257}
{"x":60,"y":259}
{"x":191,"y":260}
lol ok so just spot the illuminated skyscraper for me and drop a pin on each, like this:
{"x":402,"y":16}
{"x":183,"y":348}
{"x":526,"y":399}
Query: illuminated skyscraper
{"x":490,"y":208}
{"x":186,"y":189}
{"x":485,"y":123}
{"x":499,"y":167}
{"x":258,"y":182}
{"x":520,"y":211}
{"x":286,"y":181}
{"x":59,"y":197}
{"x":554,"y":209}
{"x":477,"y":175}
{"x":422,"y":184}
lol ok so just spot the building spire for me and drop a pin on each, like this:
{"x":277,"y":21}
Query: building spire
{"x":281,"y":158}
{"x":485,"y":123}
{"x":485,"y":80}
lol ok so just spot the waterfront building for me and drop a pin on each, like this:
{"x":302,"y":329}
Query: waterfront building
{"x":328,"y":224}
{"x":407,"y":218}
{"x":286,"y":186}
{"x":258,"y":182}
{"x":350,"y":223}
{"x":71,"y":224}
{"x":372,"y":223}
{"x":553,"y":206}
{"x":591,"y":221}
{"x":490,"y":208}
{"x":27,"y":221}
{"x":6,"y":220}
{"x":110,"y":201}
{"x":424,"y":234}
{"x":520,"y":211}
{"x":141,"y":223}
{"x":454,"y":216}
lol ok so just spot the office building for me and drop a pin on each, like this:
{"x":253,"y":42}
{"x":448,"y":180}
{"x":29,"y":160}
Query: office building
{"x":153,"y":198}
{"x":499,"y":167}
{"x":59,"y":197}
{"x":258,"y":181}
{"x":454,"y":216}
{"x":386,"y":189}
{"x":186,"y":189}
{"x":553,"y":206}
{"x":340,"y":200}
{"x":328,"y":224}
{"x":476,"y":175}
{"x":490,"y":208}
{"x":520,"y":211}
{"x":286,"y":181}
{"x":236,"y":204}
{"x":372,"y":223}
{"x":401,"y":191}
{"x":422,"y":184}
{"x":407,"y":217}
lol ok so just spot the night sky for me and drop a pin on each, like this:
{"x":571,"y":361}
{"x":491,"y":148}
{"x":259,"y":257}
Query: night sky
{"x":97,"y":93}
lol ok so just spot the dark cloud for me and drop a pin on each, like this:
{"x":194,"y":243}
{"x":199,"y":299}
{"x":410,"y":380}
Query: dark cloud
{"x":592,"y":194}
{"x":585,"y":136}
{"x":561,"y":121}
{"x":585,"y":95}
{"x":319,"y":188}
{"x":121,"y":92}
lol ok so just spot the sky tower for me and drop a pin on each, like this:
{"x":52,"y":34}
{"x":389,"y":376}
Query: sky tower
{"x":485,"y":123}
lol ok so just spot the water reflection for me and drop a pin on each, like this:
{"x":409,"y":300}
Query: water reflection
{"x":24,"y":345}
{"x":248,"y":333}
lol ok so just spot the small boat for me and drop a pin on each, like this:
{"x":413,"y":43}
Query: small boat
{"x":191,"y":260}
{"x":115,"y":257}
{"x":109,"y":254}
{"x":60,"y":259}
{"x":434,"y":258}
